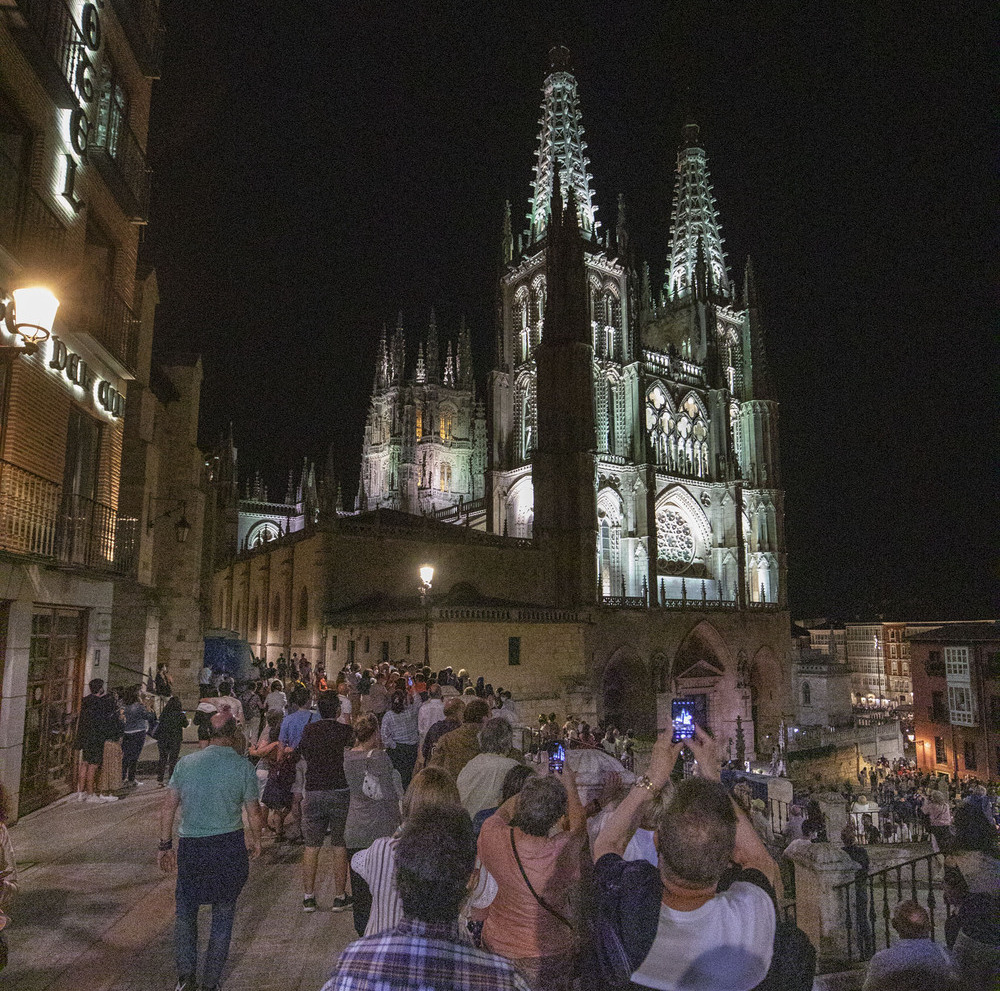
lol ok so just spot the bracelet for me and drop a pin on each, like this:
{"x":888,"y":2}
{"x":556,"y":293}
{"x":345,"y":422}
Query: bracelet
{"x":644,"y":782}
{"x":166,"y":845}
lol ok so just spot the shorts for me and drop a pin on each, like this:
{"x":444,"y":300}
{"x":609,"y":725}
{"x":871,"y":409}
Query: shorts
{"x":93,"y":753}
{"x":322,"y":809}
{"x":299,"y":787}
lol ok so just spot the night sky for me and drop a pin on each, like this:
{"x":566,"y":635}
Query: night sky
{"x":319,"y":166}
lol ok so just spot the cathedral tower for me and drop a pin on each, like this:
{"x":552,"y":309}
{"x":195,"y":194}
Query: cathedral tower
{"x":564,"y":474}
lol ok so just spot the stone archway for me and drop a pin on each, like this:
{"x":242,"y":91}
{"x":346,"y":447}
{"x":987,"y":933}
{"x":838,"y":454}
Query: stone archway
{"x":702,"y":670}
{"x":627,"y":700}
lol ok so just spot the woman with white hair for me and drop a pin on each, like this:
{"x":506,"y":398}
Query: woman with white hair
{"x":536,"y":864}
{"x":481,"y":780}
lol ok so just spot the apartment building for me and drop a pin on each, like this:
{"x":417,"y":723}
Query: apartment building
{"x":75,"y":84}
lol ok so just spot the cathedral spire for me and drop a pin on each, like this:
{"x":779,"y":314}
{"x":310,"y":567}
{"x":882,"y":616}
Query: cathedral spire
{"x":695,"y":218}
{"x":508,"y":235}
{"x":449,"y":368}
{"x":561,"y":147}
{"x":433,"y":365}
{"x":463,"y":373}
{"x":621,"y":230}
{"x":382,"y":373}
{"x":398,"y":352}
{"x":756,"y":375}
{"x":421,"y":375}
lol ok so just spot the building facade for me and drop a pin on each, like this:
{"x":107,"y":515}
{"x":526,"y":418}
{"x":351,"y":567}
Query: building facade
{"x":688,"y":494}
{"x":956,"y":699}
{"x":75,"y":83}
{"x":424,"y":449}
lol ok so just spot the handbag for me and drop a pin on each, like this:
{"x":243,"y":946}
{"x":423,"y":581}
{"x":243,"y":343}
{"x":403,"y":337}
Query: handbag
{"x":370,"y":786}
{"x":538,"y":898}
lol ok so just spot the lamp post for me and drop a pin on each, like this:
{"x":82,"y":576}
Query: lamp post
{"x":28,"y":312}
{"x":426,"y":579}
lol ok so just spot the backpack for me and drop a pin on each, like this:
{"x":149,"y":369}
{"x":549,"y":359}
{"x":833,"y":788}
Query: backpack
{"x":793,"y":963}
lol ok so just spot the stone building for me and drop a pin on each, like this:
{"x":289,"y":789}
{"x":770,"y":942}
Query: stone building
{"x":630,"y":544}
{"x":75,"y":83}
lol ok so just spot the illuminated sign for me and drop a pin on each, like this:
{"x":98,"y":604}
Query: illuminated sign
{"x":83,"y":80}
{"x":76,"y":370}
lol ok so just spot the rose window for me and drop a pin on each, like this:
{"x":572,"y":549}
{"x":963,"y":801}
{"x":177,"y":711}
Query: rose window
{"x":675,"y":542}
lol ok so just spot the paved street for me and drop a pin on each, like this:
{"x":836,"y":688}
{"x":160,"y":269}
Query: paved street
{"x":95,"y":914}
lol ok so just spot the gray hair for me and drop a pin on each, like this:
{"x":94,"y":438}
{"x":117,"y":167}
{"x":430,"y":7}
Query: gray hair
{"x":222,"y":726}
{"x":540,"y":805}
{"x":496,"y":736}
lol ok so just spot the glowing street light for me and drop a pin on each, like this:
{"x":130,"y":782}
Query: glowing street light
{"x":426,"y":572}
{"x":426,"y":575}
{"x":29,"y":312}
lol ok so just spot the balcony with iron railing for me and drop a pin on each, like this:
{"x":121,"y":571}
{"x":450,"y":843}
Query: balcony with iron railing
{"x":115,"y":150}
{"x":115,"y":326}
{"x":39,"y":520}
{"x":51,"y":40}
{"x":29,"y":230}
{"x":141,"y":22}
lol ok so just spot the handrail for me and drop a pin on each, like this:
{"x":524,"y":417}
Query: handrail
{"x":867,"y":917}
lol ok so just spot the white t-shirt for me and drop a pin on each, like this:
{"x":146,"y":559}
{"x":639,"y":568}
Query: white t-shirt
{"x":345,"y":710}
{"x":725,"y":945}
{"x":642,"y":847}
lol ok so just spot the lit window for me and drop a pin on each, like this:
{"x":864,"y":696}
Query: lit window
{"x":960,"y":705}
{"x":420,"y":423}
{"x":956,"y":661}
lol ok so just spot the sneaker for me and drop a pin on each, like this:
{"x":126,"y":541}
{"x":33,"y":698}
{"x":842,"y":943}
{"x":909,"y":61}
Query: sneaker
{"x":186,"y":984}
{"x":110,"y":798}
{"x":94,"y":798}
{"x":342,"y":903}
{"x":309,"y":904}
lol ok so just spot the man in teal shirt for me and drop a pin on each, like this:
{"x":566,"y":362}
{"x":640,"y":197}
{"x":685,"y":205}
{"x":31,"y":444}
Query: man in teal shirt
{"x":212,"y":787}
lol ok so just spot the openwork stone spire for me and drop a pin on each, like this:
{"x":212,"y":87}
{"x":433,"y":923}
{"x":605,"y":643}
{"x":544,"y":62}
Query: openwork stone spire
{"x":561,"y":145}
{"x":695,"y":221}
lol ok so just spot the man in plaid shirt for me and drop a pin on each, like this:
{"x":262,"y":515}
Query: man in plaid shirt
{"x":435,"y":855}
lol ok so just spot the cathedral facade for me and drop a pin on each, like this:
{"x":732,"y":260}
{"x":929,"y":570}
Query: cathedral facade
{"x":687,"y":471}
{"x":621,"y":537}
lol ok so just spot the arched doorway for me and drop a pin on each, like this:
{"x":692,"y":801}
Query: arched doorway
{"x":627,"y":699}
{"x":700,"y":672}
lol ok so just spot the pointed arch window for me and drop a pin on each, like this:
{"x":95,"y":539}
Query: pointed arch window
{"x":420,"y":422}
{"x":806,"y":693}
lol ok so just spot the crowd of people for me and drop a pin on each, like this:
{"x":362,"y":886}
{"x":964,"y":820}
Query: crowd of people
{"x":467,"y":862}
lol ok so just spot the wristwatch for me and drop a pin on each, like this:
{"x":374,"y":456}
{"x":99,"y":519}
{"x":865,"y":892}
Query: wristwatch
{"x":644,"y":782}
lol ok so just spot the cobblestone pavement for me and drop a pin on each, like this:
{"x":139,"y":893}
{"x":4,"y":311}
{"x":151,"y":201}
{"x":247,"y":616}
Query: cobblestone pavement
{"x":94,"y":913}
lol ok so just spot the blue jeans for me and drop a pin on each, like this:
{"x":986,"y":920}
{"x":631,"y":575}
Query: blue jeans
{"x":186,"y":939}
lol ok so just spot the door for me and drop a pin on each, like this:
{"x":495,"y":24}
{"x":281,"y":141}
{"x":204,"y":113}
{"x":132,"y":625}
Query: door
{"x":55,"y":689}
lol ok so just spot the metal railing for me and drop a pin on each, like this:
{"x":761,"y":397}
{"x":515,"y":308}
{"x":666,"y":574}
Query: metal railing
{"x":59,"y":41}
{"x":868,"y":901}
{"x":38,"y":519}
{"x":887,"y":827}
{"x":142,"y":24}
{"x":29,"y":229}
{"x":117,"y":153}
{"x":116,"y":328}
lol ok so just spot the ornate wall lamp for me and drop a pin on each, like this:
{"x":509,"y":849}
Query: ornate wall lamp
{"x":30,"y":313}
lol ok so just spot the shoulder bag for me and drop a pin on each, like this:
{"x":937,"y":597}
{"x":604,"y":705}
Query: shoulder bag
{"x":538,"y":898}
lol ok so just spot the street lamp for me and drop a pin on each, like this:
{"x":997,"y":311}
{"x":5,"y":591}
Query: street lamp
{"x":28,"y":312}
{"x":181,"y":528}
{"x":426,"y":578}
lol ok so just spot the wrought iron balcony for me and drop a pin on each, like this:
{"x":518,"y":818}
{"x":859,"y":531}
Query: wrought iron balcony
{"x":29,"y":230}
{"x":38,"y":520}
{"x":115,"y":150}
{"x":51,"y":40}
{"x":115,"y":327}
{"x":142,"y":24}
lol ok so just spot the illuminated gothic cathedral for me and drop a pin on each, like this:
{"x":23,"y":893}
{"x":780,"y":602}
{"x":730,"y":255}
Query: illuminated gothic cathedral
{"x":686,"y":475}
{"x":617,"y":487}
